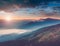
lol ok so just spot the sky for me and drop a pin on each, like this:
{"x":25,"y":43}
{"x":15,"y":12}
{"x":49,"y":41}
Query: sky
{"x":30,"y":9}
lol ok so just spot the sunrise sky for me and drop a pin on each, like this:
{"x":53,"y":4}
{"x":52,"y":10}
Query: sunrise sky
{"x":29,"y":10}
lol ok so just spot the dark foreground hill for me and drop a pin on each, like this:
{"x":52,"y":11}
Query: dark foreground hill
{"x":48,"y":36}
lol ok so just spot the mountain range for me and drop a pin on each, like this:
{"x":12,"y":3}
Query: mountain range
{"x":48,"y":36}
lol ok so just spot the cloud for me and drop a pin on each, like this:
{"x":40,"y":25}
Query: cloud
{"x":23,"y":3}
{"x":31,"y":9}
{"x":11,"y":31}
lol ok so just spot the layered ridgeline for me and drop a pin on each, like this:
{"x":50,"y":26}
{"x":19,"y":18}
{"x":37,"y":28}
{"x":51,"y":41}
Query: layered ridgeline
{"x":28,"y":24}
{"x":48,"y":36}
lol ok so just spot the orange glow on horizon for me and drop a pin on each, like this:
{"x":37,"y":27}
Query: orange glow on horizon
{"x":14,"y":18}
{"x":8,"y":18}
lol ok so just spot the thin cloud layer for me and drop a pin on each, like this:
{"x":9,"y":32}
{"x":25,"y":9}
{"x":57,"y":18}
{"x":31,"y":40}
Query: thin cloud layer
{"x":31,"y":9}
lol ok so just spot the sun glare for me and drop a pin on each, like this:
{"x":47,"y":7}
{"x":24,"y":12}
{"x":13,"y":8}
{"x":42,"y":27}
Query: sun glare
{"x":8,"y":18}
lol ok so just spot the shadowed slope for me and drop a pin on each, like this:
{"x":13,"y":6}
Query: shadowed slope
{"x":48,"y":36}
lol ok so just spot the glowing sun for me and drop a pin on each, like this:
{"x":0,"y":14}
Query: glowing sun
{"x":8,"y":18}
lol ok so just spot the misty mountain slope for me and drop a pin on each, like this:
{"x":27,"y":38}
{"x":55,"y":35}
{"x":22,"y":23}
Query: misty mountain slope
{"x":48,"y":36}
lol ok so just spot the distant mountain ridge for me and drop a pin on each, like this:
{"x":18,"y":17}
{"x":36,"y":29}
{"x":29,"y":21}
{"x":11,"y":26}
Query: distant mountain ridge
{"x":40,"y":23}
